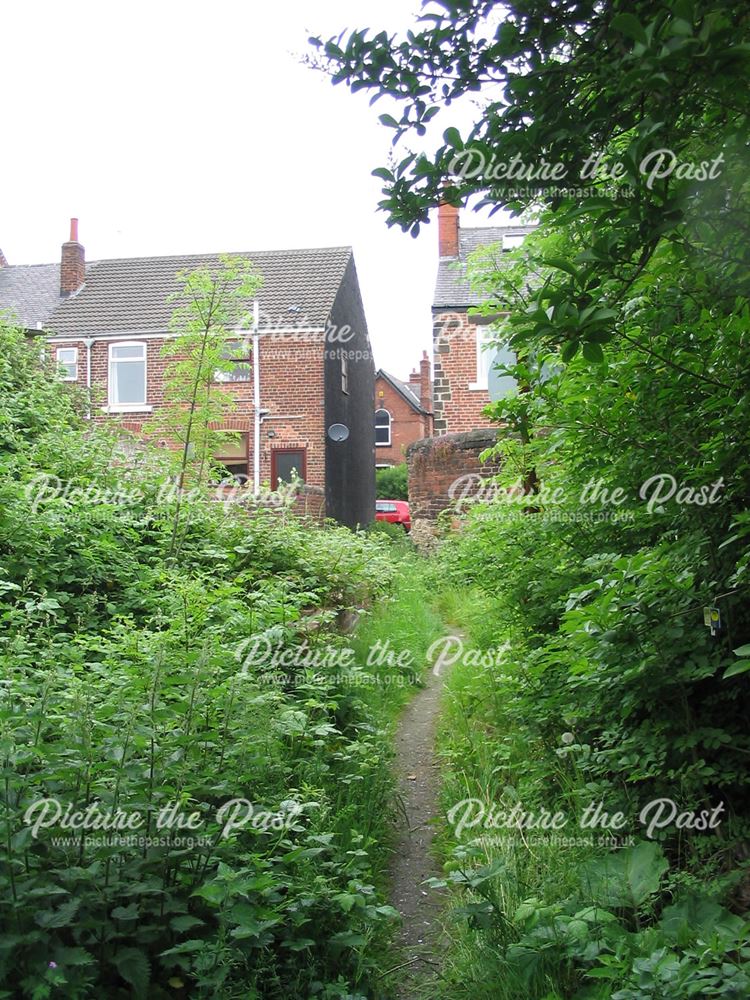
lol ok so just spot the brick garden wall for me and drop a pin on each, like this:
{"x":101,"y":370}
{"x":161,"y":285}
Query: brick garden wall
{"x":441,"y":470}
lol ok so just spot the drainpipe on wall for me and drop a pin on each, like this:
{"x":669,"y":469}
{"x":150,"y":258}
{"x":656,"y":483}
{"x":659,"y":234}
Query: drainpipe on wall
{"x":256,"y":401}
{"x":88,"y":343}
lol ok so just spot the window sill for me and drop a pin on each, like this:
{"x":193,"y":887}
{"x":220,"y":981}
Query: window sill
{"x":128,"y":408}
{"x":478,"y":386}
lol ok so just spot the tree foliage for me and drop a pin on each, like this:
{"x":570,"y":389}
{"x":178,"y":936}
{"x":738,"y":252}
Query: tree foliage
{"x":596,"y":88}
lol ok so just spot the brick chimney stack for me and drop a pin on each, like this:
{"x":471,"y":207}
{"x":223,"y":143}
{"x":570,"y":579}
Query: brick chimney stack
{"x":72,"y":262}
{"x":425,"y":383}
{"x":3,"y":261}
{"x":448,"y":230}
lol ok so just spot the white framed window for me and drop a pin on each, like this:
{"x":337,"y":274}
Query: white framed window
{"x":488,"y":356}
{"x":127,"y":376}
{"x":344,"y":374}
{"x":382,"y":428}
{"x":67,"y":363}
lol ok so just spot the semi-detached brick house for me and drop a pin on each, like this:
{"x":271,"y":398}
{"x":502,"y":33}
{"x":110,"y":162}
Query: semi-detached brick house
{"x":463,"y":369}
{"x":106,"y":322}
{"x":446,"y":468}
{"x":403,"y":412}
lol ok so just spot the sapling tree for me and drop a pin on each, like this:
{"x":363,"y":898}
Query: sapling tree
{"x":212,"y":304}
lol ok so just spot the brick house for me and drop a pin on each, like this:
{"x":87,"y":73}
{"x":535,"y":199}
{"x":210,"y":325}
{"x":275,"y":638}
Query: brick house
{"x":464,"y":375}
{"x":403,"y":412}
{"x":447,"y":469}
{"x":106,"y":322}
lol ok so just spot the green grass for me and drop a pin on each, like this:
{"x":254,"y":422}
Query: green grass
{"x":486,"y":755}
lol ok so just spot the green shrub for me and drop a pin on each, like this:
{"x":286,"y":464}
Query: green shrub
{"x":127,"y":684}
{"x":392,"y":483}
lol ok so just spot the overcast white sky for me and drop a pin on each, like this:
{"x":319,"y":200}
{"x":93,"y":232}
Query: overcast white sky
{"x":184,"y":127}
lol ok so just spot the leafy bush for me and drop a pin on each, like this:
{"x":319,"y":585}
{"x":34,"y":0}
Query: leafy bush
{"x":392,"y":483}
{"x":620,"y":515}
{"x":127,"y":686}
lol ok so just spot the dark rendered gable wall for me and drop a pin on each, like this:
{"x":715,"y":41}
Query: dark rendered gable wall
{"x":350,"y":464}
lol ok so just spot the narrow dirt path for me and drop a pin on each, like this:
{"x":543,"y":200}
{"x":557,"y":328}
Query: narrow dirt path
{"x":418,"y":942}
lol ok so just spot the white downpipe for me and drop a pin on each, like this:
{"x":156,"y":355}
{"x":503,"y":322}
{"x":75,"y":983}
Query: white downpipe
{"x":256,"y":401}
{"x":88,"y":344}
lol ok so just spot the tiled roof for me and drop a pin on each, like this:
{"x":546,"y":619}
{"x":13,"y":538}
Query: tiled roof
{"x":409,"y":392}
{"x":129,"y":295}
{"x":30,"y":292}
{"x":452,"y":289}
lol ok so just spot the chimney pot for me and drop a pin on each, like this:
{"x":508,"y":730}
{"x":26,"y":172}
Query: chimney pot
{"x":74,"y":230}
{"x":448,"y":230}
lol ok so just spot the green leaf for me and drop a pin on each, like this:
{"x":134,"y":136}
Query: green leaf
{"x":629,"y":25}
{"x":593,"y":352}
{"x":561,"y":264}
{"x":348,"y":939}
{"x":133,"y":966}
{"x":452,"y":137}
{"x":569,"y":350}
{"x":184,"y":922}
{"x":626,"y":878}
{"x":742,"y":650}
{"x":61,"y":917}
{"x":740,"y":667}
{"x":73,"y":956}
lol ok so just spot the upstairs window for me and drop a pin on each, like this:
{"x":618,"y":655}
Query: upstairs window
{"x":127,"y":375}
{"x":344,"y":374}
{"x":67,"y":363}
{"x":237,"y":354}
{"x":489,"y":355}
{"x":382,"y":428}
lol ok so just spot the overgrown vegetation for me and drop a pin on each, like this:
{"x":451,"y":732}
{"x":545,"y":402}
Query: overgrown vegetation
{"x":135,"y":684}
{"x":619,"y":521}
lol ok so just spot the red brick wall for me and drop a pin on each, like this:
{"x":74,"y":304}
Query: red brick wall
{"x":291,"y":388}
{"x":439,"y":468}
{"x":72,"y":267}
{"x":457,"y":407}
{"x":309,"y":505}
{"x":406,"y":424}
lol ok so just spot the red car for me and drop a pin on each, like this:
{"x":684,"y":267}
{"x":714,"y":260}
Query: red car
{"x":393,"y":511}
